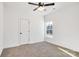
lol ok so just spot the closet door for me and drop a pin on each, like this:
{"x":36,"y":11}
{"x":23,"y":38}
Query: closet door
{"x":24,"y":31}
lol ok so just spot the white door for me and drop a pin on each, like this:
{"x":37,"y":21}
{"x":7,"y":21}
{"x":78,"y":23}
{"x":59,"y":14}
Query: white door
{"x":23,"y":31}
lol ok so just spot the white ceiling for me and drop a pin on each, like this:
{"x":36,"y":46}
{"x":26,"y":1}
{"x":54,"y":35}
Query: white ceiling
{"x":29,"y":8}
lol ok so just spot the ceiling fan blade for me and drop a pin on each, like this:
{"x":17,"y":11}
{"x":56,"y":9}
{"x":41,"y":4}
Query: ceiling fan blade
{"x":35,"y":9}
{"x":50,"y":4}
{"x":32,"y":3}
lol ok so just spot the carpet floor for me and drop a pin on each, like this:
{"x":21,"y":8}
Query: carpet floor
{"x":41,"y":49}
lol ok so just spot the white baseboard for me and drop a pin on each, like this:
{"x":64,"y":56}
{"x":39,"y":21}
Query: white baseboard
{"x":31,"y":42}
{"x":11,"y":46}
{"x":62,"y":45}
{"x":1,"y":51}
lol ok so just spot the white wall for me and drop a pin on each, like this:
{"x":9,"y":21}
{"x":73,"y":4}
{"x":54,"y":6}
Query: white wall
{"x":14,"y":11}
{"x":66,"y":26}
{"x":36,"y":28}
{"x":1,"y":27}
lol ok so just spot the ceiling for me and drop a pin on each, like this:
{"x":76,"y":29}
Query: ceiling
{"x":29,"y":8}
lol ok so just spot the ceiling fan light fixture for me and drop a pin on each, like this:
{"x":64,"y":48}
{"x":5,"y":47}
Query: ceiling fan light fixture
{"x":41,"y":8}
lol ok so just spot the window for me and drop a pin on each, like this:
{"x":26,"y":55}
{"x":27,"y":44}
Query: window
{"x":49,"y":30}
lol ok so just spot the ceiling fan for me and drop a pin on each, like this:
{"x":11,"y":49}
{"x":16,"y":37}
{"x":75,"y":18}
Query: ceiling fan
{"x":40,"y":4}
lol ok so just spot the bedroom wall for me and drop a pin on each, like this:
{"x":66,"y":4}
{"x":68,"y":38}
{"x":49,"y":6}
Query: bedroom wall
{"x":66,"y":26}
{"x":15,"y":11}
{"x":1,"y":27}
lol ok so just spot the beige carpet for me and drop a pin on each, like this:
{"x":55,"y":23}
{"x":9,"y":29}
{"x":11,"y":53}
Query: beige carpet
{"x":41,"y":49}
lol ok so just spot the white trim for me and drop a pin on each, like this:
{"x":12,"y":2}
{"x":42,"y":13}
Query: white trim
{"x":1,"y":51}
{"x":60,"y":44}
{"x":65,"y":51}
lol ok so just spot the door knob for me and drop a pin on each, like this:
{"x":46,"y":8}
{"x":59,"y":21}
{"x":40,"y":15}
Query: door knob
{"x":20,"y":33}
